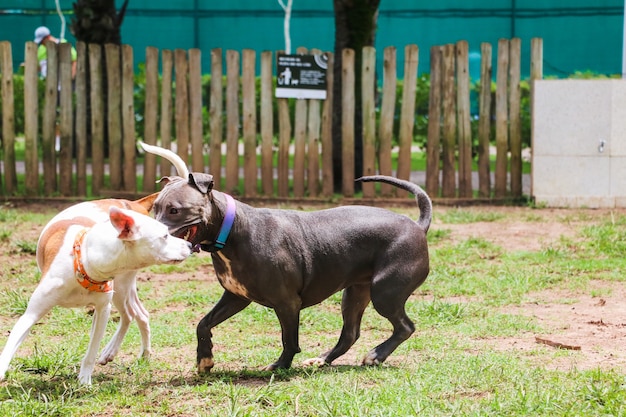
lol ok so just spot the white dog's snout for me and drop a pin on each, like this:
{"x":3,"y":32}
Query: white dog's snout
{"x":186,"y":249}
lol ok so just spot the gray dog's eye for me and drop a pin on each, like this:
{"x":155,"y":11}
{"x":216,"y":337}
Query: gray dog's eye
{"x":173,"y":210}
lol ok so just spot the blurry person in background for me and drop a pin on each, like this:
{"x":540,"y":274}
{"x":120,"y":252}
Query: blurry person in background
{"x":42,"y":34}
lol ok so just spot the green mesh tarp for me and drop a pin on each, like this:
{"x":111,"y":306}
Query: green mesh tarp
{"x":578,"y":35}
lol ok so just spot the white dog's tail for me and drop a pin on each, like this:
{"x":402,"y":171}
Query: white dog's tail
{"x":176,"y":160}
{"x":422,"y":199}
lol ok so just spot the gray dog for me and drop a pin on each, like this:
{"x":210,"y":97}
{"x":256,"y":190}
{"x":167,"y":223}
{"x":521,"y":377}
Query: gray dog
{"x":289,"y":260}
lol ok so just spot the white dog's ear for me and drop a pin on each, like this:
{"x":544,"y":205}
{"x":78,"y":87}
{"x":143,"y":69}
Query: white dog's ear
{"x":124,"y":224}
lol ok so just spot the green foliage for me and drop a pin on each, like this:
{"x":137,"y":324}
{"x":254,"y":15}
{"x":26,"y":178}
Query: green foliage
{"x":14,"y":302}
{"x":18,"y":102}
{"x":28,"y":247}
{"x":420,"y":128}
{"x":440,"y":313}
{"x":590,"y":75}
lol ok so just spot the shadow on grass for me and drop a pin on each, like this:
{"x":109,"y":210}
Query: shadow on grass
{"x":66,"y":385}
{"x":251,"y":377}
{"x":42,"y":387}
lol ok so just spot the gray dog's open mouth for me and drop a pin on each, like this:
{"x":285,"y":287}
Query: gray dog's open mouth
{"x":190,"y":234}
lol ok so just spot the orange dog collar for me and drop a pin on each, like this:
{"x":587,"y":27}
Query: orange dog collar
{"x":79,"y":269}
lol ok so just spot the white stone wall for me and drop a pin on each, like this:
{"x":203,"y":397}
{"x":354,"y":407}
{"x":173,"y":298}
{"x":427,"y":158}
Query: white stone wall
{"x":579,"y":143}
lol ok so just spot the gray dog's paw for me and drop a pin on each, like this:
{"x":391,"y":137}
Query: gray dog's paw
{"x":371,"y":359}
{"x":205,"y":365}
{"x":319,"y":362}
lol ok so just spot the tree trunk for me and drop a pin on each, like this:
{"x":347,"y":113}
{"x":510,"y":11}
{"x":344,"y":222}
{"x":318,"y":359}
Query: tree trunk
{"x":97,"y":21}
{"x":355,"y":27}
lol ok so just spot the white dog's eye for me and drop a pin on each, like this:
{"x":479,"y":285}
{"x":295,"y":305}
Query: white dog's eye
{"x":173,"y":210}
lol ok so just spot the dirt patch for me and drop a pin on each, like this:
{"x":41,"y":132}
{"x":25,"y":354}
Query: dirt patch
{"x":513,"y":236}
{"x":589,"y":330}
{"x":518,"y":228}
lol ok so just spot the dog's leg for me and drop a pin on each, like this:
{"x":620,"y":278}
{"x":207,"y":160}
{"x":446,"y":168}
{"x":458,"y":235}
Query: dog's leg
{"x":229,"y":305}
{"x":127,"y":302}
{"x":143,"y":322}
{"x":98,"y":327}
{"x":41,"y":302}
{"x":354,"y":301}
{"x":289,"y":317}
{"x":390,"y":304}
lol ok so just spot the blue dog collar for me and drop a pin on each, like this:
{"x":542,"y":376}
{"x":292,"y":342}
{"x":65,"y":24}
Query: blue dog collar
{"x":227,"y":223}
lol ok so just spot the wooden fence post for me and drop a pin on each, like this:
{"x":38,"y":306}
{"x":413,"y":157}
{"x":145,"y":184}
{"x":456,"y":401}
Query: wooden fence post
{"x":248,"y":92}
{"x":129,"y":145}
{"x":267,"y":124}
{"x":484,"y":122}
{"x":181,"y":70}
{"x":407,"y":116}
{"x":150,"y":117}
{"x":449,"y":123}
{"x":313,"y":143}
{"x":66,"y":122}
{"x":8,"y":118}
{"x":195,"y":110}
{"x":515,"y":125}
{"x":299,"y":133}
{"x":347,"y":121}
{"x":387,"y":114}
{"x":433,"y":153}
{"x":97,"y":117}
{"x":284,"y":137}
{"x":326,"y":131}
{"x":536,"y":66}
{"x":216,"y":114}
{"x":114,"y":114}
{"x":48,"y":128}
{"x":31,"y":118}
{"x":232,"y":120}
{"x":368,"y":98}
{"x":536,"y":73}
{"x":313,"y":147}
{"x":81,"y":119}
{"x":502,"y":113}
{"x":167,"y":64}
{"x":463,"y":119}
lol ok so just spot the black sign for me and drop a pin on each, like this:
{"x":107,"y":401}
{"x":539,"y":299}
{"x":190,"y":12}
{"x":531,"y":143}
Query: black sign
{"x":301,"y":76}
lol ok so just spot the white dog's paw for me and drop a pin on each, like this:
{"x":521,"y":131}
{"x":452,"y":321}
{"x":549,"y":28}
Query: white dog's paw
{"x":84,"y":378}
{"x":106,"y":357}
{"x":319,"y":362}
{"x":145,"y":354}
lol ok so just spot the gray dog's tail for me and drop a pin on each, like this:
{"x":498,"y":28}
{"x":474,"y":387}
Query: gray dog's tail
{"x":422,"y":199}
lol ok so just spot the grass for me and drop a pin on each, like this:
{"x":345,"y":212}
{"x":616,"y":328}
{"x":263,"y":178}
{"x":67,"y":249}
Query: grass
{"x":444,"y":369}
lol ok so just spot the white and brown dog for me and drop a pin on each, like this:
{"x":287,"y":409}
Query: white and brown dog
{"x":81,"y":252}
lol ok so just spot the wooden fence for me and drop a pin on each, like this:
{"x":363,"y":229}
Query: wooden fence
{"x":80,"y":168}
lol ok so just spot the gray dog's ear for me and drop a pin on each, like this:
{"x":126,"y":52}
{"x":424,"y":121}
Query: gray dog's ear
{"x":201,"y":181}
